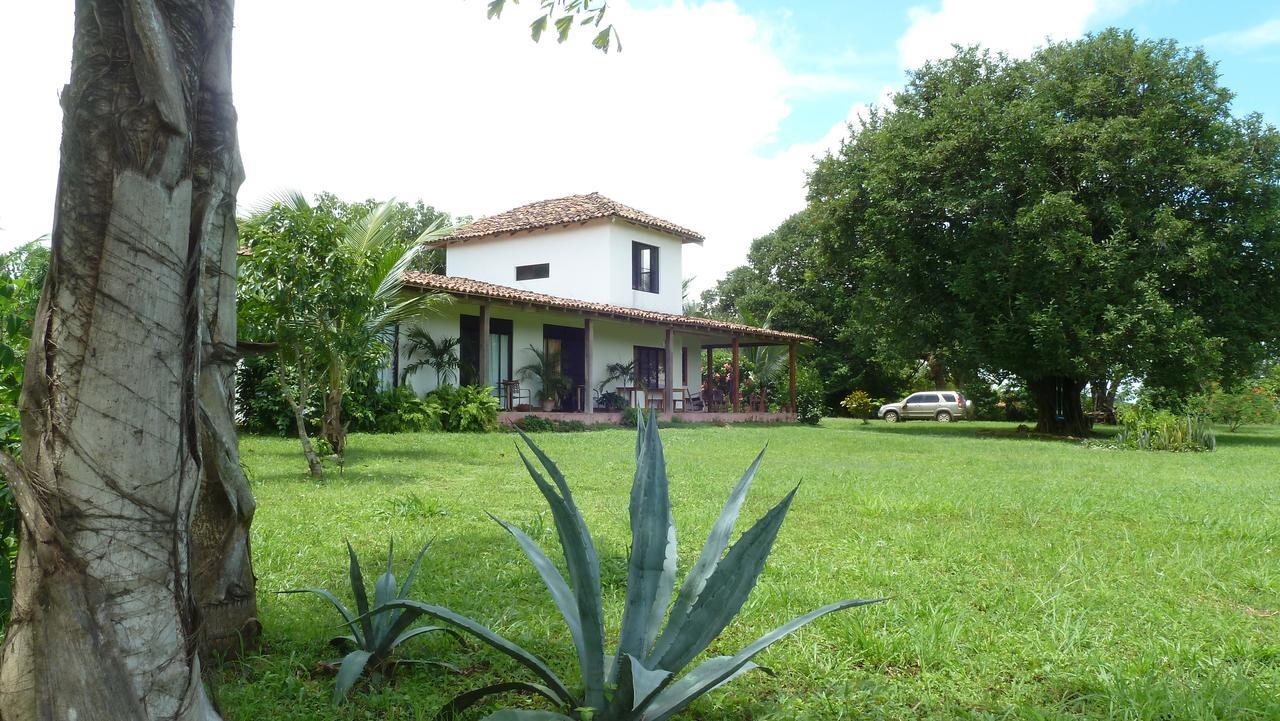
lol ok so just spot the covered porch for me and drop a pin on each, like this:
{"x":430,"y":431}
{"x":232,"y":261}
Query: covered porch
{"x":610,"y":356}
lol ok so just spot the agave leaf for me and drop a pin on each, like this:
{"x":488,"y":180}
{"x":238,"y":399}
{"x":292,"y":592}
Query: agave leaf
{"x":415,"y":632}
{"x":651,"y":571}
{"x":727,"y":588}
{"x":350,"y":670}
{"x":521,"y":714}
{"x":413,"y":571}
{"x":462,"y":702}
{"x":554,"y":582}
{"x":707,"y":561}
{"x":384,"y":591}
{"x":637,"y":687}
{"x":539,"y":667}
{"x":716,"y":671}
{"x":357,"y":590}
{"x":694,"y":682}
{"x":584,"y":571}
{"x":348,"y":619}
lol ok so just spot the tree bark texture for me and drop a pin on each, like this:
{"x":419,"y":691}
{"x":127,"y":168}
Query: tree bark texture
{"x":119,"y":424}
{"x":937,"y":372}
{"x":1058,"y":408}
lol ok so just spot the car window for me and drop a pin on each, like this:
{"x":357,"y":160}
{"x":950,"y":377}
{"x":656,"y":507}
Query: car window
{"x":949,"y":397}
{"x":923,"y":398}
{"x":917,"y":398}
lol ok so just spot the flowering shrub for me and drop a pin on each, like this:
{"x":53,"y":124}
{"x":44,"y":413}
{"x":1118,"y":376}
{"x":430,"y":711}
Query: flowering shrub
{"x":1253,"y":404}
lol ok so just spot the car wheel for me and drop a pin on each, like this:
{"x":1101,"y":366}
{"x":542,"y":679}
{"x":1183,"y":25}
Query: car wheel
{"x":891,"y":416}
{"x":943,"y":416}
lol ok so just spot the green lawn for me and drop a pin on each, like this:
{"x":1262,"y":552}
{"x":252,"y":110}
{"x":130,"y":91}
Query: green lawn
{"x":1030,"y":579}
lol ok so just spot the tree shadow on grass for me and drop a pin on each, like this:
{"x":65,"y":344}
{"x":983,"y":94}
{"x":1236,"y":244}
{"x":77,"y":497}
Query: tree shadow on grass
{"x":964,"y":430}
{"x":1245,"y":438}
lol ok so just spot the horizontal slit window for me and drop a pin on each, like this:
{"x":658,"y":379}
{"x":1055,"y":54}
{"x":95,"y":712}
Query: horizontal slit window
{"x":533,"y":272}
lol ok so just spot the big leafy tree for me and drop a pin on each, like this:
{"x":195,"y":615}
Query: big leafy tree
{"x":1093,"y":210}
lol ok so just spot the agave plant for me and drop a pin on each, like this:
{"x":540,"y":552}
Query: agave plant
{"x":374,"y":636}
{"x":638,"y":679}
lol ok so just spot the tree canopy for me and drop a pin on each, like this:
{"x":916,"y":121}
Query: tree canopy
{"x":1092,"y":210}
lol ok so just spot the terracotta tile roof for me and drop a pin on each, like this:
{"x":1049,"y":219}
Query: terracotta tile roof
{"x":564,"y":211}
{"x":468,"y":288}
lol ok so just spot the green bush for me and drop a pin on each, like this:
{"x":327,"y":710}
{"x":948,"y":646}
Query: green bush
{"x":859,"y":404}
{"x":810,"y":403}
{"x":612,"y":401}
{"x":535,"y":424}
{"x":400,"y":410}
{"x":1145,"y":428}
{"x":465,"y":409}
{"x":630,"y":416}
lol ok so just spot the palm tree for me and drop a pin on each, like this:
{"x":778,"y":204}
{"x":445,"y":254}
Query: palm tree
{"x":767,"y":362}
{"x":439,"y":355}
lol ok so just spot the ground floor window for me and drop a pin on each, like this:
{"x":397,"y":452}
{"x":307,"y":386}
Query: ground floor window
{"x":500,"y":351}
{"x":651,"y":370}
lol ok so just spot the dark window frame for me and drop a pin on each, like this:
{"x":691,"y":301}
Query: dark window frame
{"x":651,"y":364}
{"x":642,"y":279}
{"x":534,"y":271}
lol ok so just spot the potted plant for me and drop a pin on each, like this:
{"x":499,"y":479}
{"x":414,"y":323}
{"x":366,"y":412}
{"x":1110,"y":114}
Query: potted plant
{"x":546,"y":369}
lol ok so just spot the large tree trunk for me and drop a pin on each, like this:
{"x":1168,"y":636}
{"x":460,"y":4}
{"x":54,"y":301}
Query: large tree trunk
{"x":222,"y":577}
{"x":105,"y":623}
{"x":937,"y":372}
{"x":1058,"y":408}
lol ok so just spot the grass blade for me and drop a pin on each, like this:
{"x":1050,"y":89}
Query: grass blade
{"x":347,"y":617}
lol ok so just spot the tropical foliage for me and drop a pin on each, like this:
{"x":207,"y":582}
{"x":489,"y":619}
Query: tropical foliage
{"x":1248,"y":403}
{"x":440,"y":356}
{"x":859,"y":405}
{"x":1150,"y":429}
{"x":323,"y":288}
{"x":463,"y":409}
{"x":373,"y":638}
{"x":545,"y":368}
{"x":640,"y":677}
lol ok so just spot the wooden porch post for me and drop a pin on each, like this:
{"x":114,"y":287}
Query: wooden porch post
{"x":588,"y":335}
{"x":671,"y":371}
{"x":707,"y":378}
{"x":482,"y":360}
{"x":734,"y":394}
{"x":791,"y":362}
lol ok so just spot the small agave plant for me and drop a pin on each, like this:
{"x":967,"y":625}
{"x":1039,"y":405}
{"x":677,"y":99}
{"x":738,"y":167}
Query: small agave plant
{"x":374,"y":637}
{"x":638,"y":680}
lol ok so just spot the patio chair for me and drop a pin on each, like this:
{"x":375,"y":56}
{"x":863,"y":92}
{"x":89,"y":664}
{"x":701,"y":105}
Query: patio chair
{"x":514,"y":395}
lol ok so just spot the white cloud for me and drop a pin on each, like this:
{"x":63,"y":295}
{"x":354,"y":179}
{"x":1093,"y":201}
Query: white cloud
{"x":1016,"y":27}
{"x":429,"y":100}
{"x":1258,"y":36}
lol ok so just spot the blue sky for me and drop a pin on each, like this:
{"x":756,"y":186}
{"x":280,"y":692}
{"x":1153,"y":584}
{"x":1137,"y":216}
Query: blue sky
{"x":711,"y":116}
{"x":860,"y":39}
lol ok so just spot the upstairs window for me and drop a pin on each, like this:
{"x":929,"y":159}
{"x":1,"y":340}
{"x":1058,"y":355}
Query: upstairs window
{"x":533,"y":272}
{"x":644,"y":267}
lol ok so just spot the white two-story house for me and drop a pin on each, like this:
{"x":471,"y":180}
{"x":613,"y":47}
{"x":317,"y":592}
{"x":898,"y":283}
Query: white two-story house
{"x":592,"y":282}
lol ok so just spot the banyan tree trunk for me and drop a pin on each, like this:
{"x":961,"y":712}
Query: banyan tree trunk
{"x":1058,"y":408}
{"x":114,"y":448}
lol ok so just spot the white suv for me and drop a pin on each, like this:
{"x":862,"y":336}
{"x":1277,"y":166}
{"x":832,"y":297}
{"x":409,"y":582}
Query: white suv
{"x":942,"y":406}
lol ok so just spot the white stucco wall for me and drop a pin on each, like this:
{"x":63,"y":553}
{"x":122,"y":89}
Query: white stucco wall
{"x":614,"y":342}
{"x":578,"y":255}
{"x":587,"y":262}
{"x":670,"y":268}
